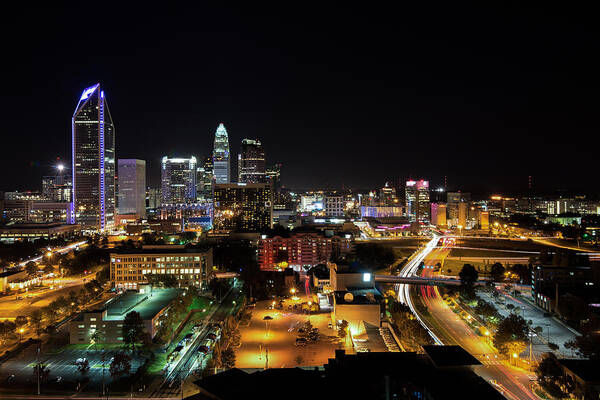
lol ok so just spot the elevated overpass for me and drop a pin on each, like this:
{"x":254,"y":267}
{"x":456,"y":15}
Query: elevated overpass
{"x":418,"y":280}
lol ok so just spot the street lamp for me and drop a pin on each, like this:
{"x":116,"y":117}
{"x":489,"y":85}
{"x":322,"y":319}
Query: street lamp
{"x":21,"y":334}
{"x":309,"y":305}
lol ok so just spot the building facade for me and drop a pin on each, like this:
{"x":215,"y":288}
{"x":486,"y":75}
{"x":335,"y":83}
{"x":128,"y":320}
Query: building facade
{"x":93,"y":140}
{"x":334,"y":205}
{"x":243,"y":207}
{"x":417,"y":201}
{"x":438,"y":214}
{"x":221,"y":162}
{"x":178,"y":180}
{"x":132,"y":187}
{"x":251,"y":162}
{"x":300,"y":250}
{"x":190,"y":267}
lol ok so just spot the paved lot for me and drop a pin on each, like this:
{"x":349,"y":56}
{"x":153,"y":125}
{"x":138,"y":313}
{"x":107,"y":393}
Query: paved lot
{"x":280,"y":340}
{"x":60,"y":361}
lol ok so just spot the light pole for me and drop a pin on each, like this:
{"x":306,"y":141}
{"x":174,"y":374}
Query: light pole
{"x":21,"y":334}
{"x":309,"y":305}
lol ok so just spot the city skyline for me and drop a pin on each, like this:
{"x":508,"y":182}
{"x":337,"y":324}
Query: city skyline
{"x":483,"y":94}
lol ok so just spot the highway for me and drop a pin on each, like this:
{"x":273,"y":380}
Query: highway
{"x":447,"y":328}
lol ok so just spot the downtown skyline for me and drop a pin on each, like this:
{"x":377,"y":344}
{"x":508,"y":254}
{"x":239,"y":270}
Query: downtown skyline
{"x":360,"y":104}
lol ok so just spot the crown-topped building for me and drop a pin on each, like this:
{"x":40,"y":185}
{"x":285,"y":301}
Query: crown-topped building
{"x":221,"y":164}
{"x":93,"y":141}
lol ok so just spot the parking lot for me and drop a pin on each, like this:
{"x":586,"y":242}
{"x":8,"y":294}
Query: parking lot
{"x":276,"y":339}
{"x":16,"y":373}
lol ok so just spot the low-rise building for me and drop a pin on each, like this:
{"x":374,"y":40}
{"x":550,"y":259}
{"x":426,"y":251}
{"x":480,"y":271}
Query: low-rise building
{"x":32,"y":231}
{"x":108,"y":321}
{"x":189,"y":266}
{"x":355,"y":298}
{"x":300,"y":250}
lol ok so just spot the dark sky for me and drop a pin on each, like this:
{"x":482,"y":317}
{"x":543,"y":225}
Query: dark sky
{"x":485,"y":94}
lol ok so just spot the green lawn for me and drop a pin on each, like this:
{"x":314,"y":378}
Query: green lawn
{"x":199,"y":303}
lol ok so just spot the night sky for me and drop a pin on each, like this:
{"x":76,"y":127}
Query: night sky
{"x":485,"y":94}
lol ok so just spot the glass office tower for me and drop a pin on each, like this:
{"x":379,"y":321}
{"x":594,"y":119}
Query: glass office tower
{"x":93,"y":141}
{"x":178,"y":180}
{"x":221,"y":166}
{"x":251,"y":162}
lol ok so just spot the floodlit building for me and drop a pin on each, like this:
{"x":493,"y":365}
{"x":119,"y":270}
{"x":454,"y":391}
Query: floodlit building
{"x":106,"y":323}
{"x":93,"y":139}
{"x":189,"y":266}
{"x":251,"y":162}
{"x":221,"y":162}
{"x":417,"y":201}
{"x":333,"y":205}
{"x":243,"y":207}
{"x":132,"y":187}
{"x":178,"y":180}
{"x":438,"y":214}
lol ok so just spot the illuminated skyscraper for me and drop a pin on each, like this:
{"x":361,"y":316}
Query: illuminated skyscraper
{"x":251,"y":162}
{"x":221,"y":166}
{"x":417,"y":201}
{"x":132,"y":187}
{"x":93,"y":141}
{"x":178,"y":180}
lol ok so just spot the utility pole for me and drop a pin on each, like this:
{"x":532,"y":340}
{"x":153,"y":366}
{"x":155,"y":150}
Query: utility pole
{"x":38,"y":370}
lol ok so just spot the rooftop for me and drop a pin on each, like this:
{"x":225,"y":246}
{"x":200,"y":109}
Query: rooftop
{"x":147,"y":305}
{"x":449,"y":356}
{"x":163,"y":249}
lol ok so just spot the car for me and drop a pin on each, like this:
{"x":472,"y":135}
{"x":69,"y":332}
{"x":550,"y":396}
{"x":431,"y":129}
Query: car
{"x":301,"y":330}
{"x":80,"y":360}
{"x":363,"y":350}
{"x":330,"y":325}
{"x":301,"y":342}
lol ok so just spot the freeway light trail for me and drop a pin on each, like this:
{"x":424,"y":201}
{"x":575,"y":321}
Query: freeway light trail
{"x":410,"y":269}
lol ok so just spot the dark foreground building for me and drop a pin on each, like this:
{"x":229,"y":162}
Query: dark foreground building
{"x":444,"y":372}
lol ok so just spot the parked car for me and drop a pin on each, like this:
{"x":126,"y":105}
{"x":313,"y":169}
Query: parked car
{"x":301,"y":342}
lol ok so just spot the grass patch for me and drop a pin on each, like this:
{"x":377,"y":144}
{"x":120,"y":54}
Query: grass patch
{"x":199,"y":303}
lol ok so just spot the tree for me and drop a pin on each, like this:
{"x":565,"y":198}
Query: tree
{"x":7,"y":328}
{"x":511,"y":335}
{"x":48,"y":268}
{"x":31,"y":268}
{"x":551,"y":377}
{"x":133,"y":329}
{"x":83,"y":365}
{"x":21,"y":320}
{"x":120,"y":365}
{"x":343,"y":329}
{"x":36,"y":321}
{"x":497,"y":272}
{"x":103,"y":275}
{"x":42,"y":371}
{"x":572,"y":308}
{"x":523,"y":271}
{"x":468,"y":275}
{"x":228,"y":358}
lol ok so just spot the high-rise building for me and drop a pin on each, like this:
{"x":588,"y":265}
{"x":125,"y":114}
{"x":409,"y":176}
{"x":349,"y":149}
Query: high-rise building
{"x":132,"y":187}
{"x":221,"y":165}
{"x":273,"y":175}
{"x":251,"y":162}
{"x":152,"y":198}
{"x":417,"y":201}
{"x":387,"y":195}
{"x":243,"y":207}
{"x":93,"y":140}
{"x":178,"y":180}
{"x":204,"y":184}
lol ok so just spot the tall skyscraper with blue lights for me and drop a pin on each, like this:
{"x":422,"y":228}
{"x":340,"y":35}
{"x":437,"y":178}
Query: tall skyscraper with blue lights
{"x":93,"y":141}
{"x":221,"y":165}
